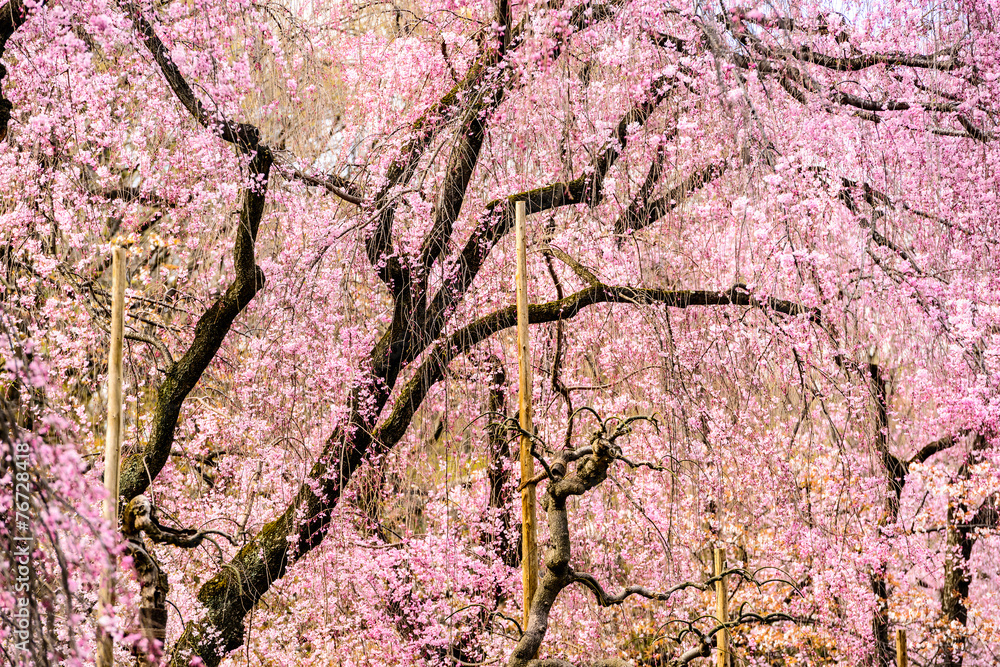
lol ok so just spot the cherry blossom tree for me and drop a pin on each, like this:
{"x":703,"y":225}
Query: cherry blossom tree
{"x":762,"y":263}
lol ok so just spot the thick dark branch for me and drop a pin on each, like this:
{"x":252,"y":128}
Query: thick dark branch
{"x":557,"y":469}
{"x":890,"y":105}
{"x":702,"y":650}
{"x":238,"y":587}
{"x":432,"y":369}
{"x":641,"y":198}
{"x":932,"y":448}
{"x":461,"y":163}
{"x":140,"y":469}
{"x":943,"y":60}
{"x":378,"y":246}
{"x":579,"y":269}
{"x":895,"y":470}
{"x":498,"y":219}
{"x":895,"y":467}
{"x":499,"y":470}
{"x":140,"y":516}
{"x":243,"y":135}
{"x":336,"y":185}
{"x":503,"y":18}
{"x":605,"y":600}
{"x":876,"y":198}
{"x":791,"y":78}
{"x":642,"y":213}
{"x":466,"y":98}
{"x":588,"y":13}
{"x":152,"y":341}
{"x":962,"y":534}
{"x":793,"y":90}
{"x":976,"y":133}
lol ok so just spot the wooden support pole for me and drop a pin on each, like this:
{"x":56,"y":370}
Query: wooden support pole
{"x":721,"y":608}
{"x":901,"y":659}
{"x":112,"y":442}
{"x":529,"y":530}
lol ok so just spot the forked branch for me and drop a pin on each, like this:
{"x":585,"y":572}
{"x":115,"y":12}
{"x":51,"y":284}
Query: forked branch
{"x":591,"y":469}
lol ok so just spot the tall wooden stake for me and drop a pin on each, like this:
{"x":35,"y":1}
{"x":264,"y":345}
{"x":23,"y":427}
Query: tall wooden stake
{"x":112,"y":441}
{"x":901,"y":659}
{"x":721,"y":607}
{"x":529,"y":531}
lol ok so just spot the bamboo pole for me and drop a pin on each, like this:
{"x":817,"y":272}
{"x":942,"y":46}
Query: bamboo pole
{"x":112,"y":441}
{"x":529,"y":530}
{"x":721,"y":607}
{"x":901,"y":659}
